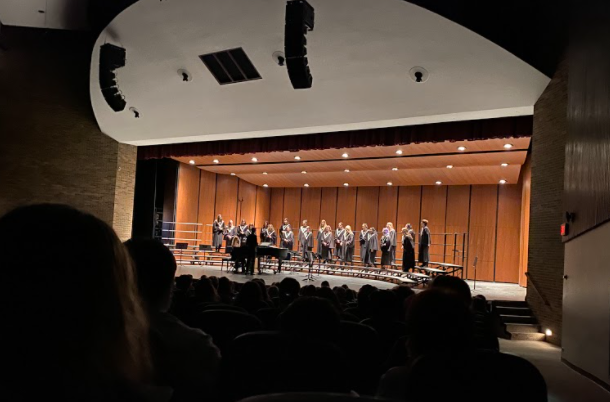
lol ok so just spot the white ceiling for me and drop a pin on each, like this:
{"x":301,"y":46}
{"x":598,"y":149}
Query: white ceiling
{"x":52,"y":14}
{"x":360,"y":54}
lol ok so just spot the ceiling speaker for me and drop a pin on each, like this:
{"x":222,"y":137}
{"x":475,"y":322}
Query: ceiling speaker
{"x":299,"y":20}
{"x":111,"y":58}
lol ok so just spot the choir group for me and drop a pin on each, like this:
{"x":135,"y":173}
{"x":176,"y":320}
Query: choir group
{"x":338,"y":244}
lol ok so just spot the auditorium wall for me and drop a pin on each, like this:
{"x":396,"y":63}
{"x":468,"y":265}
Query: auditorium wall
{"x":489,"y":214}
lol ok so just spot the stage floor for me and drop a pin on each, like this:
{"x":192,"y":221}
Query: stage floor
{"x":491,"y":290}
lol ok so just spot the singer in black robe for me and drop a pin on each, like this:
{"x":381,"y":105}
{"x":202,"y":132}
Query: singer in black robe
{"x":287,"y":238}
{"x":327,"y":241}
{"x":218,"y":228}
{"x":349,"y":244}
{"x":386,"y":248}
{"x":271,"y":235}
{"x":363,"y":244}
{"x":340,"y":242}
{"x":230,"y":233}
{"x":307,"y":245}
{"x":408,"y":251}
{"x":263,"y":234}
{"x":372,"y":245}
{"x":243,"y":231}
{"x":424,"y":244}
{"x":321,"y":230}
{"x":300,"y":236}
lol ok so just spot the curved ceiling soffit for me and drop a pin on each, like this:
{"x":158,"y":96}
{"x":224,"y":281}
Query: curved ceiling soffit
{"x":359,"y":86}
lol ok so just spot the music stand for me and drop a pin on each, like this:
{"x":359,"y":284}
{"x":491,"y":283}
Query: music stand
{"x":181,"y":246}
{"x":205,"y":248}
{"x":474,"y":264}
{"x":309,"y":277}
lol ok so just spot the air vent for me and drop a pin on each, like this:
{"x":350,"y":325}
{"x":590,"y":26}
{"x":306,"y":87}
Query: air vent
{"x":230,"y":66}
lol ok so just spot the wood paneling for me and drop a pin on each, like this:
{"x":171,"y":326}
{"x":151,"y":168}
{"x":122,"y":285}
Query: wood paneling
{"x":187,"y":197}
{"x":226,"y":197}
{"x":292,"y":205}
{"x":276,"y":211}
{"x":247,"y":198}
{"x":310,"y":206}
{"x":388,"y":205}
{"x":207,"y":201}
{"x":508,"y":231}
{"x":346,"y":206}
{"x":433,"y":208}
{"x":409,"y":207}
{"x":263,"y":202}
{"x":364,"y":152}
{"x":367,"y":201}
{"x":526,"y":193}
{"x":458,"y":208}
{"x":482,"y":231}
{"x":328,"y":210}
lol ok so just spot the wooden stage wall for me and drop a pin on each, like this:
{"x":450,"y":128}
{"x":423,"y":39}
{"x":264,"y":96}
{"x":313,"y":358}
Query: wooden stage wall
{"x":490,"y":214}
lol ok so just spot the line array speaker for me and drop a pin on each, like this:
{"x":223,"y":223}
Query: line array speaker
{"x":299,"y":20}
{"x":111,"y":58}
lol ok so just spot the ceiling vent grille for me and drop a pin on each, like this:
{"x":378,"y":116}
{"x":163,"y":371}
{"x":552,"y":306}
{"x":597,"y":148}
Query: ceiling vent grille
{"x":230,"y":66}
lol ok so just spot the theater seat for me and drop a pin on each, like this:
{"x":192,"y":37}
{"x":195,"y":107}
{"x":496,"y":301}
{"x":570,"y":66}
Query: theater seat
{"x":266,"y":362}
{"x":360,"y":343}
{"x":226,"y":325}
{"x":268,"y":317}
{"x":222,"y":306}
{"x":311,"y":397}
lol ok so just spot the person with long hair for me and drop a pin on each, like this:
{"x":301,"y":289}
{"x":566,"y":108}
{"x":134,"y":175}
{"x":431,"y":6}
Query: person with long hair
{"x":340,"y":242}
{"x":218,"y":229}
{"x":349,"y":244}
{"x":386,"y":248}
{"x":321,"y":230}
{"x":328,"y":244}
{"x":287,"y":238}
{"x":393,"y":242}
{"x":243,"y":230}
{"x":408,"y":249}
{"x":264,"y":234}
{"x":230,"y":233}
{"x":78,"y":330}
{"x":271,"y":235}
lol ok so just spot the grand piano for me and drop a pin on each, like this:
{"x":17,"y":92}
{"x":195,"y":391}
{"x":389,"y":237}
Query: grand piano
{"x":279,"y":253}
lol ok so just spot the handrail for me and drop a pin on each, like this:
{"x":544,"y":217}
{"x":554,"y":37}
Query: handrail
{"x":533,"y":282}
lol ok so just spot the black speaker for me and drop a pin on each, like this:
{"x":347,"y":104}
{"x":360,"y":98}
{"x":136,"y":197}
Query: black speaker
{"x":299,"y":20}
{"x":111,"y":58}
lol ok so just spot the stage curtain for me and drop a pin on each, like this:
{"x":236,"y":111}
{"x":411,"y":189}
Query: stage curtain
{"x":508,"y":127}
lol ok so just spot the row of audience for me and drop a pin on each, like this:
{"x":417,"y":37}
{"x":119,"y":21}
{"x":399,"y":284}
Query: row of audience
{"x":87,"y":318}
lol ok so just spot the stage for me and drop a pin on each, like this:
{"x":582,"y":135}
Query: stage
{"x":491,"y":290}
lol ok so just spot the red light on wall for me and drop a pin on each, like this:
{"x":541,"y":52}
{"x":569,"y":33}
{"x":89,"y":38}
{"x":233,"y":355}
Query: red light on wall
{"x":564,"y":229}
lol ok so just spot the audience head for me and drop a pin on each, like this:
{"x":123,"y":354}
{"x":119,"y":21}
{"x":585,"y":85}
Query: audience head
{"x":249,"y":293}
{"x":325,"y":284}
{"x":289,"y":290}
{"x":328,"y":294}
{"x":214,"y":280}
{"x":205,"y":292}
{"x":341,"y":294}
{"x":155,"y":266}
{"x":184,"y":282}
{"x":364,"y":297}
{"x":454,"y":285}
{"x":384,"y":305}
{"x":434,"y":317}
{"x":225,"y":286}
{"x":262,"y":287}
{"x":273,"y":292}
{"x":311,"y":318}
{"x":308,"y":291}
{"x":79,"y":330}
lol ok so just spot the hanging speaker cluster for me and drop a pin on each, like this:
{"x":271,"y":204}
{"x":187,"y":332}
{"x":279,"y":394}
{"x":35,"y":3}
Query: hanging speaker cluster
{"x":111,"y":58}
{"x":299,"y":20}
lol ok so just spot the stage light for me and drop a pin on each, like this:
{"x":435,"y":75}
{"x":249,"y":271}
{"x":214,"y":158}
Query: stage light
{"x":304,"y":172}
{"x":389,"y":183}
{"x":502,"y":181}
{"x":192,"y":162}
{"x":548,"y":332}
{"x":508,"y":146}
{"x":306,"y":185}
{"x":298,"y":158}
{"x":264,"y":172}
{"x":399,"y":152}
{"x":394,"y":168}
{"x":504,"y":165}
{"x":232,"y":174}
{"x":216,"y":161}
{"x":254,"y":160}
{"x":345,"y":155}
{"x":438,"y":183}
{"x":346,"y":184}
{"x":461,"y":149}
{"x":265,"y":185}
{"x":449,"y":166}
{"x":346,"y":170}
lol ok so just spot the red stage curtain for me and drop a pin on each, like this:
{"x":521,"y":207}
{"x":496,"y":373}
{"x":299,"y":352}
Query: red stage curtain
{"x":507,"y":127}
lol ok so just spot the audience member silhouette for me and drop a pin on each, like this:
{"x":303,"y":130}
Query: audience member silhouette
{"x":250,"y":298}
{"x":77,"y":331}
{"x":311,"y":318}
{"x":185,"y":358}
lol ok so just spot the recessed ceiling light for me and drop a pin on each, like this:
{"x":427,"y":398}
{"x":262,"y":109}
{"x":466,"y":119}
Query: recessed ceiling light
{"x":548,"y":332}
{"x":264,"y":172}
{"x":254,"y":160}
{"x":504,"y":165}
{"x":389,"y":183}
{"x":306,"y":185}
{"x":232,"y":174}
{"x":346,"y":170}
{"x":216,"y":161}
{"x":502,"y":181}
{"x":345,"y":155}
{"x":438,"y":183}
{"x":461,"y":149}
{"x":346,"y":184}
{"x":449,"y":166}
{"x":399,"y":152}
{"x":265,"y":185}
{"x":394,"y":168}
{"x":192,"y":162}
{"x":508,"y":146}
{"x":298,"y":158}
{"x":304,"y":172}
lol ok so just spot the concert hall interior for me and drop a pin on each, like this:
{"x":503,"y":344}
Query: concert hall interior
{"x":199,"y":194}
